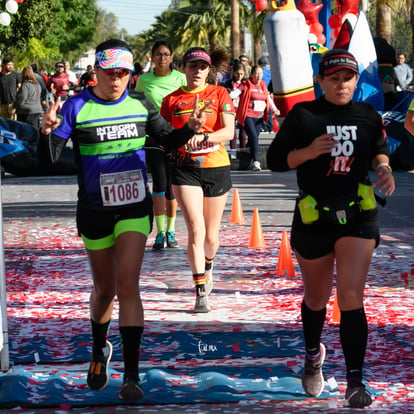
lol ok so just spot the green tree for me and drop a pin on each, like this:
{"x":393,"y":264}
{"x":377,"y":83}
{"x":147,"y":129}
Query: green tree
{"x":106,"y":25}
{"x":391,"y":19}
{"x":256,"y":29}
{"x":205,"y":23}
{"x":62,"y":28}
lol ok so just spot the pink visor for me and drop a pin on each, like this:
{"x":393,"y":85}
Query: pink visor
{"x":195,"y":55}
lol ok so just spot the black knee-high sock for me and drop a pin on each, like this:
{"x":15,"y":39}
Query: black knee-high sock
{"x":99,"y":336}
{"x":131,"y":342}
{"x":354,"y":337}
{"x":312,"y":322}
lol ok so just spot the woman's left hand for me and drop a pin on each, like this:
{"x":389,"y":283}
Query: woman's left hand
{"x":194,"y":143}
{"x":386,"y":182}
{"x":198,"y":117}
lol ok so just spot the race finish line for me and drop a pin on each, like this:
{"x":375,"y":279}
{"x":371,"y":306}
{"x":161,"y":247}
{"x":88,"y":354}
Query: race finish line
{"x":249,"y":348}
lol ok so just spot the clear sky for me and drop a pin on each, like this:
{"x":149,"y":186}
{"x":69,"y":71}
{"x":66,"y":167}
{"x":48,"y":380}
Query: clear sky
{"x":135,"y":16}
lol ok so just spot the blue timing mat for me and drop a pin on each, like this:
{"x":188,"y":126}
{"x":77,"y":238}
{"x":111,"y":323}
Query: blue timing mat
{"x":161,"y":386}
{"x":174,"y":345}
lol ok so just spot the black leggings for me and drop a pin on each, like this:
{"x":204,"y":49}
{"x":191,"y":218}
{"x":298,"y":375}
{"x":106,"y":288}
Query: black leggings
{"x":157,"y":162}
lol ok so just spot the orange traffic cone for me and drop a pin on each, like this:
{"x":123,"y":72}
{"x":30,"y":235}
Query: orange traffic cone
{"x":236,"y":209}
{"x":336,"y":313}
{"x":256,"y":235}
{"x":285,"y":262}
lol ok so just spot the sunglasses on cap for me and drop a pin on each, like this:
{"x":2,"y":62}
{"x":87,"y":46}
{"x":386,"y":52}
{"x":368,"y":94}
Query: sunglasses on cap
{"x":121,"y":73}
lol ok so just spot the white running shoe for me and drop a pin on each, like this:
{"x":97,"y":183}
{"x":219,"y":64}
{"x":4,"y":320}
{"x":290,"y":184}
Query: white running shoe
{"x":256,"y":166}
{"x":312,"y":375}
{"x":201,"y":305}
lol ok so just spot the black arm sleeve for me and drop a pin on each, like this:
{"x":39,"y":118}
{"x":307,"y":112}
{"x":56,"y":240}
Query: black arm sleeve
{"x":49,"y":148}
{"x":159,"y":129}
{"x":282,"y":144}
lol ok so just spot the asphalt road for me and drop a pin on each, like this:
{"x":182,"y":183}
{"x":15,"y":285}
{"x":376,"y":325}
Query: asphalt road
{"x":47,"y":199}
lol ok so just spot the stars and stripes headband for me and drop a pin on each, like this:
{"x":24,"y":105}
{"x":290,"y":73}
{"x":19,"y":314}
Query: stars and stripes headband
{"x":114,"y":59}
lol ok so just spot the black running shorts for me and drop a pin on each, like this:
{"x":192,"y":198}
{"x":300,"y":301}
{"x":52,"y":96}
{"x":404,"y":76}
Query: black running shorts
{"x":315,"y":240}
{"x":214,"y":181}
{"x":99,"y":229}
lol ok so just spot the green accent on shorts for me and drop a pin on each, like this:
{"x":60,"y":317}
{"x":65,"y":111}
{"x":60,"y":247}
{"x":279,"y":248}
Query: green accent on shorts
{"x":139,"y":225}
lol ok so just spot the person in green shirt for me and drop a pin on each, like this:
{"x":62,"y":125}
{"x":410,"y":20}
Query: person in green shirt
{"x":156,"y":85}
{"x":409,"y":118}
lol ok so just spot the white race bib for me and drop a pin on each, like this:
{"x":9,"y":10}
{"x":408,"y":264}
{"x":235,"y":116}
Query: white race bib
{"x":203,"y":148}
{"x":259,"y":106}
{"x":122,"y":188}
{"x":235,"y":93}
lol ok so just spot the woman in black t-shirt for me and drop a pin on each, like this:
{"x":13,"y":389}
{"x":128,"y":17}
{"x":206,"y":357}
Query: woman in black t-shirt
{"x":333,"y":142}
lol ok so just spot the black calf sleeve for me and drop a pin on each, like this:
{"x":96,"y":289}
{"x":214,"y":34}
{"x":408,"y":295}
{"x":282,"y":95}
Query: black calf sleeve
{"x":312,"y":322}
{"x":354,"y":337}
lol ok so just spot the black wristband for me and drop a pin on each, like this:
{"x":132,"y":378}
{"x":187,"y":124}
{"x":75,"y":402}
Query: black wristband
{"x":206,"y":136}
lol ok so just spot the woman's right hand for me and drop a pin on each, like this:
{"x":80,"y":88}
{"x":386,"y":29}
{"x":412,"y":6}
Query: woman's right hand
{"x":50,"y":121}
{"x":321,"y":145}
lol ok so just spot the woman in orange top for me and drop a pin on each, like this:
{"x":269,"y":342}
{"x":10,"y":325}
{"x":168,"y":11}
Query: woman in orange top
{"x":200,"y":170}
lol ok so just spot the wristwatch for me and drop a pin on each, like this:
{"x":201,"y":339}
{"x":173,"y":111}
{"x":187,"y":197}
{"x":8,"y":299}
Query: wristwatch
{"x":206,"y":136}
{"x":384,"y":165}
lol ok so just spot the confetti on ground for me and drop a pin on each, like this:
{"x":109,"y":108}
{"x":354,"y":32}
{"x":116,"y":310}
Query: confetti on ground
{"x":247,"y":351}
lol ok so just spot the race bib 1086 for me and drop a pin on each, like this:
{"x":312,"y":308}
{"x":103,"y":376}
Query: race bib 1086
{"x":122,"y":188}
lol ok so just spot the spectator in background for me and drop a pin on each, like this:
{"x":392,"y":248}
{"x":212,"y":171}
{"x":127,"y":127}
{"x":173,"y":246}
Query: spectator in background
{"x":42,"y":83}
{"x":59,"y":83}
{"x":85,"y":77}
{"x":148,"y":65}
{"x":218,"y":71}
{"x":234,"y":87}
{"x":93,"y":79}
{"x":403,"y":72}
{"x":267,"y":77}
{"x":9,"y":84}
{"x":409,"y":118}
{"x":73,"y":79}
{"x":386,"y":62}
{"x":244,"y":60}
{"x":28,"y":99}
{"x":264,"y":63}
{"x":135,"y":75}
{"x":253,"y":109}
{"x":44,"y":75}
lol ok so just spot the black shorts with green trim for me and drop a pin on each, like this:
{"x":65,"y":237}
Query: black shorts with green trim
{"x":214,"y":181}
{"x":98,"y":228}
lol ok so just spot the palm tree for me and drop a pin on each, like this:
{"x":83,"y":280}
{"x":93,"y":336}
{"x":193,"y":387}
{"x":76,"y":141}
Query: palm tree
{"x":235,"y":28}
{"x":256,"y":28}
{"x":383,"y":20}
{"x":206,"y":23}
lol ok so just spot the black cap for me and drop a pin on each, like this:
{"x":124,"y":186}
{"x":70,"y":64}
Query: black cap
{"x":337,"y":59}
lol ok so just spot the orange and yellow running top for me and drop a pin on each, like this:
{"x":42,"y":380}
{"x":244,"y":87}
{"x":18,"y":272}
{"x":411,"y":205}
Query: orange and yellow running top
{"x":177,"y":107}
